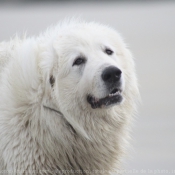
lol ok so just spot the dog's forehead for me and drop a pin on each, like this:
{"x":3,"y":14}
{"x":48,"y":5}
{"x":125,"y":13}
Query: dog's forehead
{"x":76,"y":40}
{"x":82,"y":39}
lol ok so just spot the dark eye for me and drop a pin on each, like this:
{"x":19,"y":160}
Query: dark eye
{"x":108,"y":51}
{"x":78,"y":61}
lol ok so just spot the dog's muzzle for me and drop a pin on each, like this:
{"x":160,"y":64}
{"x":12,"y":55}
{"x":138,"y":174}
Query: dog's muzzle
{"x":111,"y":76}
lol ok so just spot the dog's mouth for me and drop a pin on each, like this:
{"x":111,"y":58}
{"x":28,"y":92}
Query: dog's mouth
{"x":114,"y":97}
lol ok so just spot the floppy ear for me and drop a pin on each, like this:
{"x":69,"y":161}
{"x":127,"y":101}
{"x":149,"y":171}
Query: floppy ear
{"x":48,"y":65}
{"x":47,"y":60}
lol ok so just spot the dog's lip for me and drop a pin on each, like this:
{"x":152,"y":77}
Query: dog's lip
{"x":112,"y":98}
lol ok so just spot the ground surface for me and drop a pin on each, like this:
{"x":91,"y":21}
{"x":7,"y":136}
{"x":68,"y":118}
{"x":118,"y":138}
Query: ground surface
{"x":149,"y":30}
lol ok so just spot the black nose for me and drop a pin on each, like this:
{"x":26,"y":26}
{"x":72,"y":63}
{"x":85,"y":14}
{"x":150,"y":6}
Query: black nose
{"x":111,"y":74}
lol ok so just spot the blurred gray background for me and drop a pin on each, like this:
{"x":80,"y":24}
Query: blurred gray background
{"x":149,"y":30}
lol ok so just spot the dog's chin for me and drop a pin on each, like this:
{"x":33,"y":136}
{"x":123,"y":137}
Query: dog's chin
{"x":113,"y":98}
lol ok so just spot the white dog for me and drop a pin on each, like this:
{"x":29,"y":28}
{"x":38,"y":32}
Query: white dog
{"x":66,"y":98}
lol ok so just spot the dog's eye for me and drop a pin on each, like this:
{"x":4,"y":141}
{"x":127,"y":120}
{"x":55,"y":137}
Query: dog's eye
{"x":108,"y":51}
{"x":78,"y":61}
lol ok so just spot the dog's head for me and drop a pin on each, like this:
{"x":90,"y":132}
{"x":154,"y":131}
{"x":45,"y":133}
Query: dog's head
{"x":91,"y":68}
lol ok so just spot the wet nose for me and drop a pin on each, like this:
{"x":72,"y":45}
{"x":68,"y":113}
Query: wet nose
{"x":111,"y":74}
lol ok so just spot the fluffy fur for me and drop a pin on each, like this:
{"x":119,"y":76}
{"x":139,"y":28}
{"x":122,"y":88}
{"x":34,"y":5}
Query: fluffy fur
{"x":46,"y":124}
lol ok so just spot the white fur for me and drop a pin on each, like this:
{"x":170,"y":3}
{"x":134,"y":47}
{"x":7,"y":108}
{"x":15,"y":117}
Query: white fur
{"x":39,"y":140}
